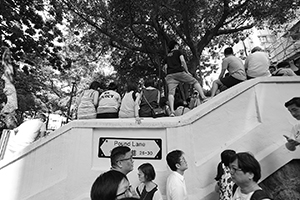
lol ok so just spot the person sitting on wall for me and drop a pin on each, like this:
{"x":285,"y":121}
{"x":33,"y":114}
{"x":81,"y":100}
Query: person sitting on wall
{"x":27,"y":133}
{"x":109,"y":103}
{"x":88,"y":102}
{"x":257,"y":64}
{"x":297,"y":66}
{"x":283,"y":69}
{"x":236,"y":69}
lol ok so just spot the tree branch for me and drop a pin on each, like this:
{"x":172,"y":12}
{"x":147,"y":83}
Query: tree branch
{"x":112,"y":37}
{"x":228,"y":31}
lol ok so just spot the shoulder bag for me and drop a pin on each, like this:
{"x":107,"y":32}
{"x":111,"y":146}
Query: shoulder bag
{"x":156,"y":112}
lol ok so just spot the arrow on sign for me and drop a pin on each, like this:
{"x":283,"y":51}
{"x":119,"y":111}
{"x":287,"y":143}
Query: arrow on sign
{"x":141,"y":148}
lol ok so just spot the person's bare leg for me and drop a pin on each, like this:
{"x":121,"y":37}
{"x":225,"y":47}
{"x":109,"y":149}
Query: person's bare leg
{"x":171,"y":102}
{"x":200,"y":90}
{"x":215,"y":87}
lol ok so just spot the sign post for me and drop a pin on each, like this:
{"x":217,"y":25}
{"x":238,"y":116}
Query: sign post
{"x":142,"y":148}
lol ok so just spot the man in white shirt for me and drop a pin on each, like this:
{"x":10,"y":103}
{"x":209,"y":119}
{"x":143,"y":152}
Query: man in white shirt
{"x":293,"y":106}
{"x":257,"y":64}
{"x":176,"y":188}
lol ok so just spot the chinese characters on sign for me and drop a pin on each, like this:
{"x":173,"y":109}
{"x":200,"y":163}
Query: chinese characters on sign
{"x":141,"y":148}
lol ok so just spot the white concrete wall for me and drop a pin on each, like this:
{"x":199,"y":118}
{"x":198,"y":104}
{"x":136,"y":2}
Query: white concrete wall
{"x":248,"y":117}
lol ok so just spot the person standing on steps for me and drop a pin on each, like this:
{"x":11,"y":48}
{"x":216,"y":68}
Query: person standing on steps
{"x":245,"y":171}
{"x":177,"y":72}
{"x":293,"y":106}
{"x":225,"y":184}
{"x":176,"y":188}
{"x":121,"y":159}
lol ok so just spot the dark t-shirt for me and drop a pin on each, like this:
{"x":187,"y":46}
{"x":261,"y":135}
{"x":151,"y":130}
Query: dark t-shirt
{"x":151,"y":96}
{"x":173,"y":62}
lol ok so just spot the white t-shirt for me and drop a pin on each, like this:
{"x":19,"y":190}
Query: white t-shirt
{"x":176,"y":189}
{"x":109,"y":102}
{"x":128,"y":106}
{"x":257,"y":64}
{"x":26,"y":134}
{"x":238,"y":195}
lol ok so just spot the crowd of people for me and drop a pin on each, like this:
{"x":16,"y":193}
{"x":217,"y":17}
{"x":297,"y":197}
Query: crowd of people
{"x":238,"y":176}
{"x":140,"y":102}
{"x":237,"y":173}
{"x":135,"y":102}
{"x":257,"y":64}
{"x":99,"y":102}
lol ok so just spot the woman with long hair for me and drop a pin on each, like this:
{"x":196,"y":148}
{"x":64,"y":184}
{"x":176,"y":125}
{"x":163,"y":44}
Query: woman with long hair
{"x":129,"y":105}
{"x":88,"y":102}
{"x":225,"y":184}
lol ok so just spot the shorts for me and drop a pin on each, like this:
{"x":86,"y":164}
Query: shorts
{"x":230,"y":81}
{"x":180,"y":77}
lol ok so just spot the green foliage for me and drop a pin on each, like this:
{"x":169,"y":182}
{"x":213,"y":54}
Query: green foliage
{"x":142,"y":28}
{"x":133,"y":32}
{"x":29,"y":28}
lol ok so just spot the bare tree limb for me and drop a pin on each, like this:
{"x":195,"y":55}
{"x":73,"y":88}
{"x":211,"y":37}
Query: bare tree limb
{"x":228,"y":31}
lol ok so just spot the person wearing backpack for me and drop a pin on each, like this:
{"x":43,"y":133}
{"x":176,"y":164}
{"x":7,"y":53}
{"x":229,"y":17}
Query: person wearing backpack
{"x":245,"y":171}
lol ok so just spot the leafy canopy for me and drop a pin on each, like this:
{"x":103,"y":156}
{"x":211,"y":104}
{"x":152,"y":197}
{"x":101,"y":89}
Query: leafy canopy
{"x":146,"y":26}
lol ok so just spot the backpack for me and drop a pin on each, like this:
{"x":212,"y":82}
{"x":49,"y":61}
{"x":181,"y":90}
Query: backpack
{"x":257,"y":195}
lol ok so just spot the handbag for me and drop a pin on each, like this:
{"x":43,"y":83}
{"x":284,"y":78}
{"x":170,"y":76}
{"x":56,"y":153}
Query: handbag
{"x":156,"y":112}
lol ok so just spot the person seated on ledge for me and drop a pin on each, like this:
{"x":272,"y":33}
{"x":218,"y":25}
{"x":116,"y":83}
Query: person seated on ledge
{"x":283,"y":69}
{"x":27,"y":133}
{"x":257,"y":64}
{"x":236,"y":70}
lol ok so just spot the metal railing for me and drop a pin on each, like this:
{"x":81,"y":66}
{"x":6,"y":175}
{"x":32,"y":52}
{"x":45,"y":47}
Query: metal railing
{"x":3,"y":142}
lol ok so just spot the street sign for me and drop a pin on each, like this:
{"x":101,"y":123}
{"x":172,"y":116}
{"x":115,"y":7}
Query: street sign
{"x":141,"y":148}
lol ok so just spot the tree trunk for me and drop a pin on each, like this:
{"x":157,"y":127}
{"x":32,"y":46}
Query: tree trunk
{"x":8,"y":112}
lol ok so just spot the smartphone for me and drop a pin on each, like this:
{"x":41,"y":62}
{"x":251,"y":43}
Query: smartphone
{"x":287,"y":137}
{"x":290,"y":139}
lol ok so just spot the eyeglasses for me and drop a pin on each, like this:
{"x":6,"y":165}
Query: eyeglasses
{"x":130,"y":158}
{"x":127,"y":192}
{"x":234,"y":170}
